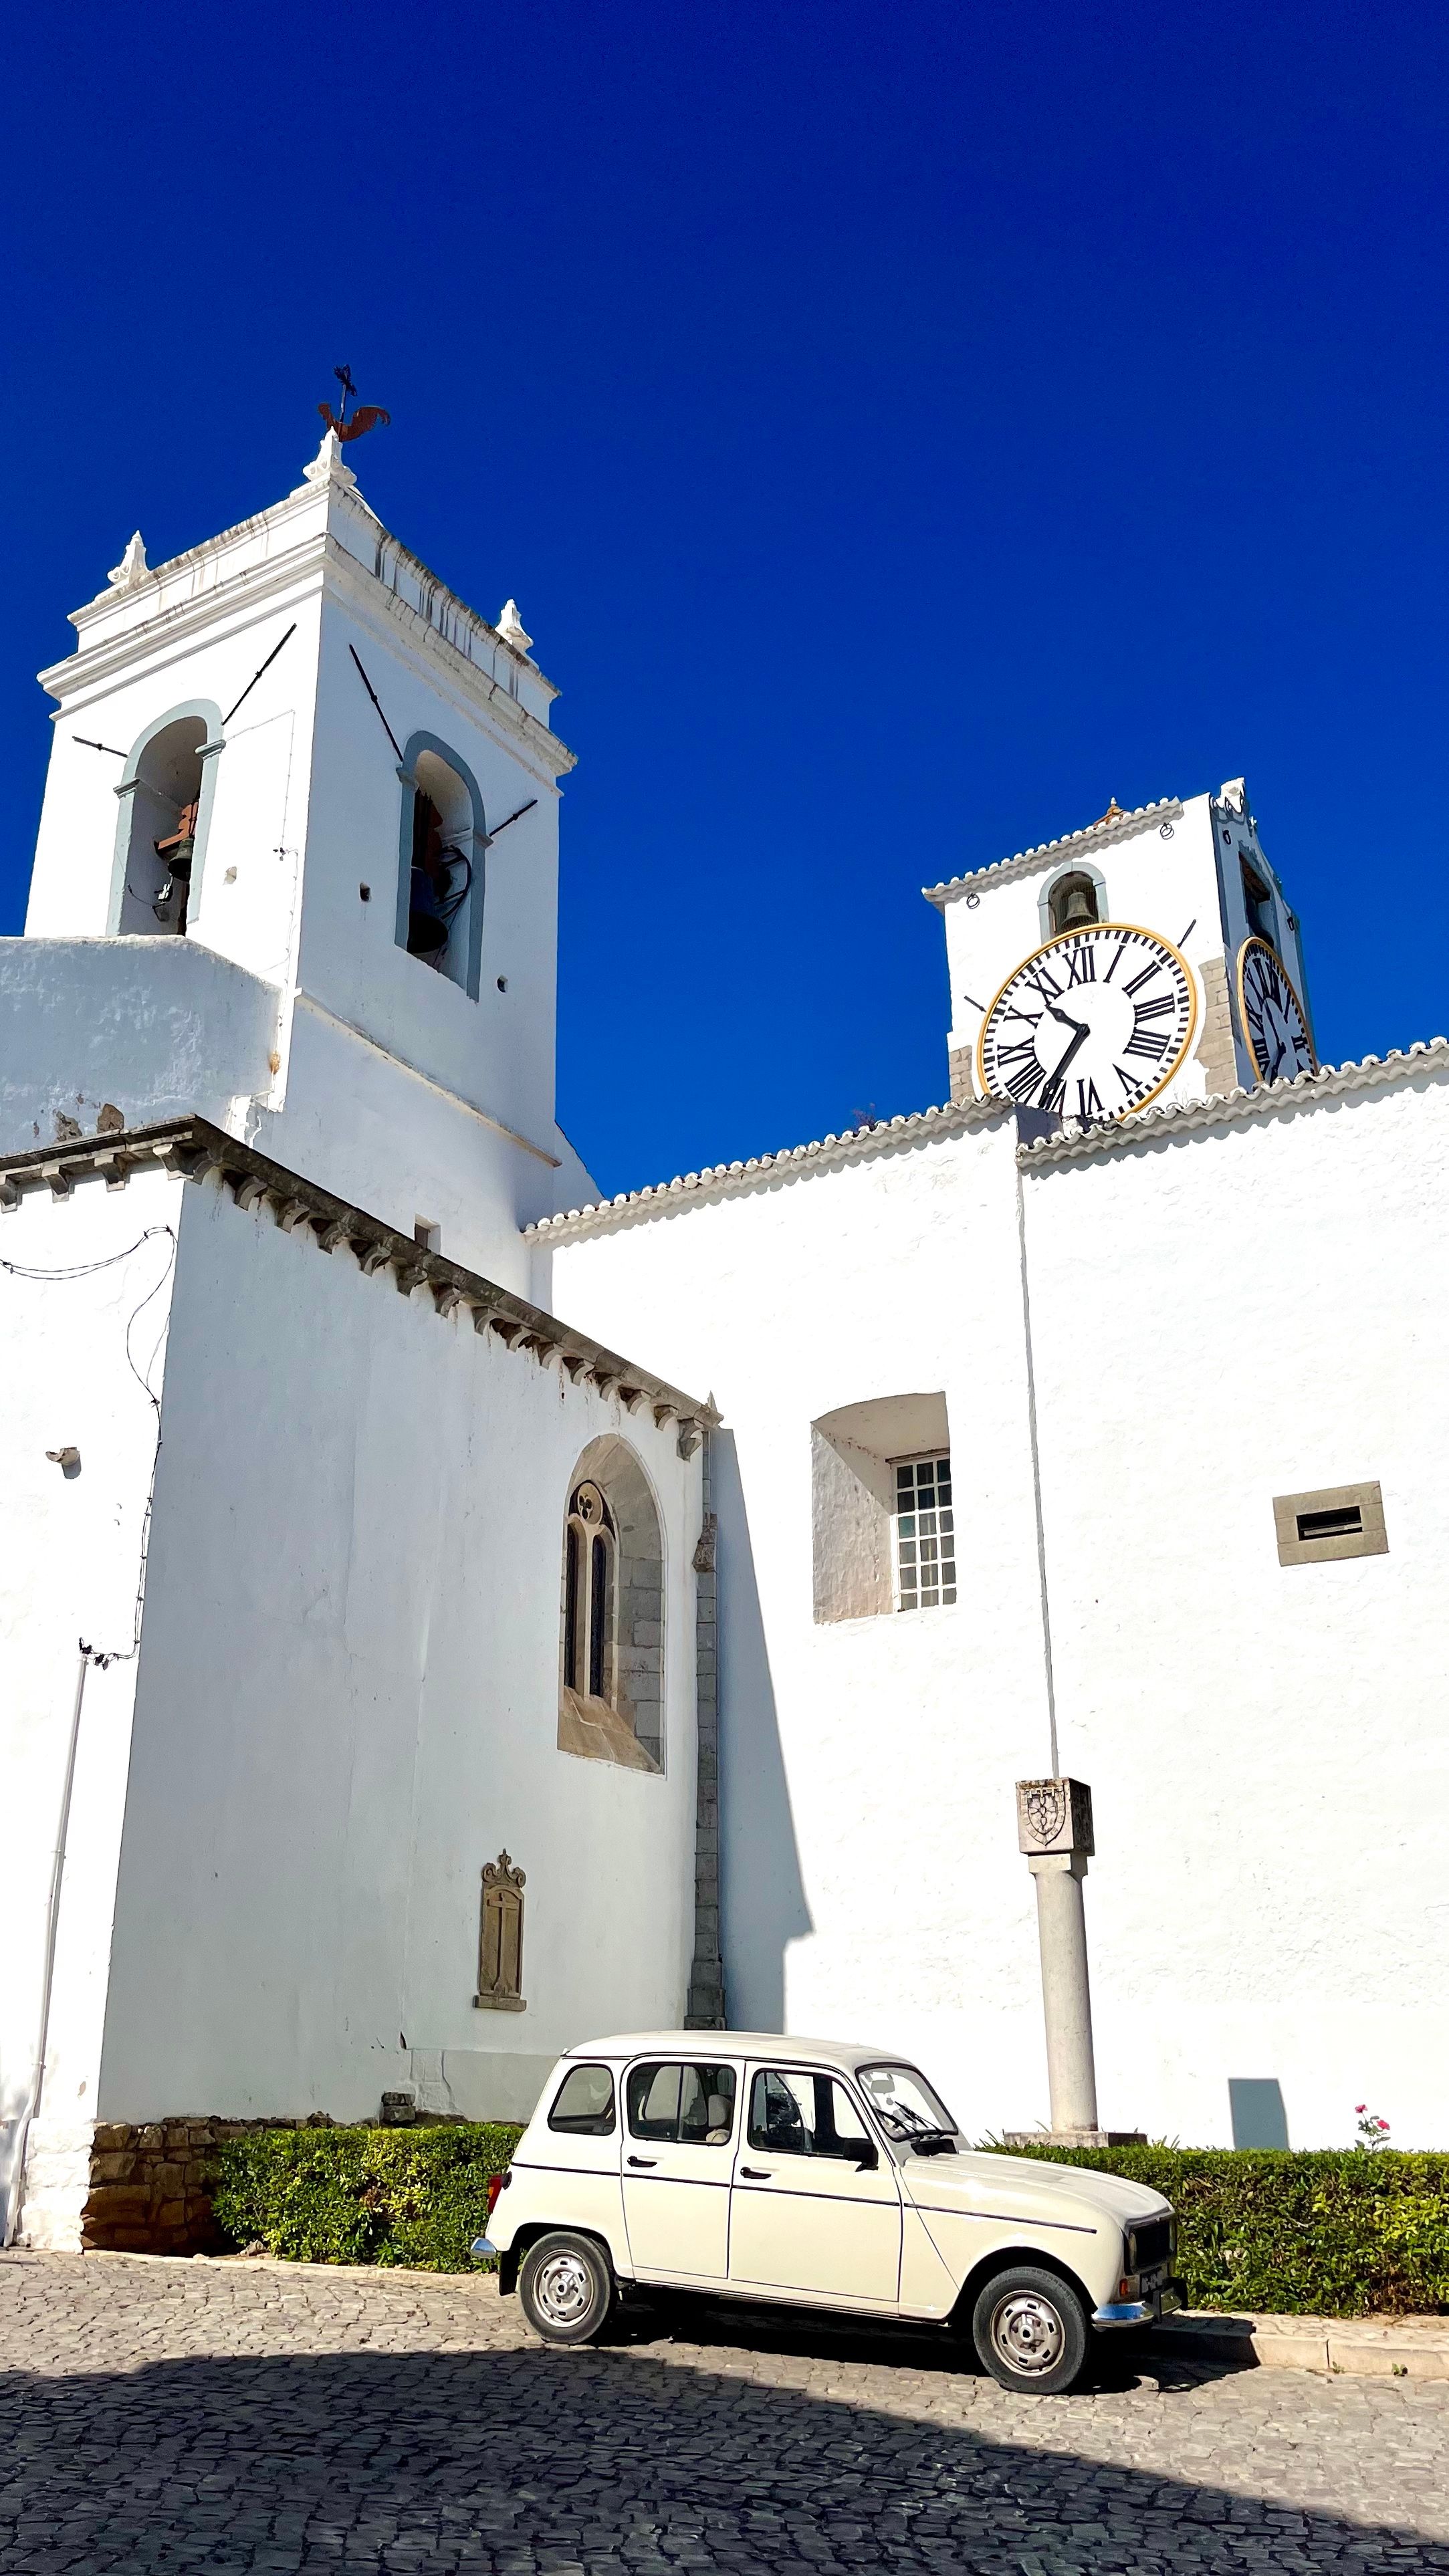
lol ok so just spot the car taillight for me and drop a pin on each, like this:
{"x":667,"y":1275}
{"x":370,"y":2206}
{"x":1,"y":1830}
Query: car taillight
{"x":495,"y":2185}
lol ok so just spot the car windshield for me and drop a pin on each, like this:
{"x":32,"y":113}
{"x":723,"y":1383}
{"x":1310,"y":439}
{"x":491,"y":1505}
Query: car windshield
{"x":904,"y":2103}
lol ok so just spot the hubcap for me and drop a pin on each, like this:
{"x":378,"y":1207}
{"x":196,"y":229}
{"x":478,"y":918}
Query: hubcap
{"x":564,"y":2289}
{"x":1027,"y":2333}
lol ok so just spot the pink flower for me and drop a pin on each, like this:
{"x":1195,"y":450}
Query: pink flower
{"x":1360,"y":2106}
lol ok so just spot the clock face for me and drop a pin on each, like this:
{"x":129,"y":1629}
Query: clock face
{"x":1272,"y":1016}
{"x":1094,"y":1025}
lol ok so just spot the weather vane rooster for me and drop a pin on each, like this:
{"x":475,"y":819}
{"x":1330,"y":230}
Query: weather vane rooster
{"x":367,"y":415}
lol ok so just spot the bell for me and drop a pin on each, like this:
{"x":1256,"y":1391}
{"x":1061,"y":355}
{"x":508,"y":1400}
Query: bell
{"x":1079,"y":908}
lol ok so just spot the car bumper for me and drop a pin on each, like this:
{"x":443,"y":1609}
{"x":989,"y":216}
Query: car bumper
{"x":1155,"y":2303}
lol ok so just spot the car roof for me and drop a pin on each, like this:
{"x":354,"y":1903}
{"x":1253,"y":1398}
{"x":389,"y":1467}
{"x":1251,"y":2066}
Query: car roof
{"x":709,"y":2047}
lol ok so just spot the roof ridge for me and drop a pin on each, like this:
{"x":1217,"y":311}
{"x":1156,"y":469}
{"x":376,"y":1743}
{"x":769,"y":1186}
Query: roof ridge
{"x":718,"y":1180}
{"x":1109,"y":827}
{"x":947,"y":1118}
{"x":1324,"y":1082}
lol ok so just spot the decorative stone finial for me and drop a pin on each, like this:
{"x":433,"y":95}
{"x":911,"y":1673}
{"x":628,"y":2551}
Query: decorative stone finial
{"x":511,"y":627}
{"x":329,"y":465}
{"x":1234,"y":794}
{"x":132,"y":568}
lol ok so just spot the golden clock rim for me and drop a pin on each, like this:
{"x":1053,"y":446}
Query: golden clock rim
{"x":1084,"y":930}
{"x":1256,"y":942}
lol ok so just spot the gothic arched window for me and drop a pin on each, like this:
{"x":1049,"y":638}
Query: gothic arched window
{"x":611,"y":1659}
{"x":590,"y":1542}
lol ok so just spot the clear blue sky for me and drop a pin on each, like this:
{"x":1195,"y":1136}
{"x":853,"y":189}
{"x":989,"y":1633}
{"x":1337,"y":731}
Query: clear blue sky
{"x":903,"y":427}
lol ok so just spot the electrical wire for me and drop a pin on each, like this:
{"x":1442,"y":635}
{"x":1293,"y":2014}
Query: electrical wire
{"x":99,"y":1656}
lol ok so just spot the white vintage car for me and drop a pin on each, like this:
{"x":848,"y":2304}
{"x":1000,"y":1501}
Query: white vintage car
{"x":813,"y":2173}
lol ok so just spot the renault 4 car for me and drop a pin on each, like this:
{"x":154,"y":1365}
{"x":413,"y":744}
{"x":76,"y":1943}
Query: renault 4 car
{"x":813,"y":2173}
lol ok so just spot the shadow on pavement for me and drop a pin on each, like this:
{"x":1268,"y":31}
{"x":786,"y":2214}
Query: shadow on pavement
{"x":530,"y":2460}
{"x":1119,"y":2361}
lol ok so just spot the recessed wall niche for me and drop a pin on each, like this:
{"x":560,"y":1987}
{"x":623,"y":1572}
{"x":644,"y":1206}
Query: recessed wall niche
{"x":853,"y":1493}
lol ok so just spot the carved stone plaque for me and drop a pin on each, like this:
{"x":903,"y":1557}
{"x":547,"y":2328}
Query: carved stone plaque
{"x":1054,"y":1816}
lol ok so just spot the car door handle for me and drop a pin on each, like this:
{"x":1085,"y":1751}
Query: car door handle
{"x":755,"y":2173}
{"x":651,"y":2161}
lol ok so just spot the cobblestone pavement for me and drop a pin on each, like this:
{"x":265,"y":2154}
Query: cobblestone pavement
{"x":173,"y":2415}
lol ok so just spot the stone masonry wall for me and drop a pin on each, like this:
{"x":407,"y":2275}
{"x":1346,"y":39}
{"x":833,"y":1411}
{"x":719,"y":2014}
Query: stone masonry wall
{"x":150,"y":2185}
{"x":1216,"y":1052}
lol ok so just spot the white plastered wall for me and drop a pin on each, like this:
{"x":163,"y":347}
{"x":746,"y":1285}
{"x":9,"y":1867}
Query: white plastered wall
{"x":386,"y":1082}
{"x":1216,"y":1319}
{"x":70,"y":1560}
{"x":349,"y":1703}
{"x":871,"y":1884}
{"x":1236,"y":1314}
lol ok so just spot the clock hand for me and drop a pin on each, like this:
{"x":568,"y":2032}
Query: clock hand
{"x":1056,"y":1082}
{"x":1068,"y":1022}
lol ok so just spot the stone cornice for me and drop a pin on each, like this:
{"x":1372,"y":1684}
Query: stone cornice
{"x":196,"y":1150}
{"x":485,"y":696}
{"x":91,"y":666}
{"x":1072,"y":845}
{"x":797,"y":1162}
{"x":1173,"y":1119}
{"x":296,"y":556}
{"x":282,"y":580}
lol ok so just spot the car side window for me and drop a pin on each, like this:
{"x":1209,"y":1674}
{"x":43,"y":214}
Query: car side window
{"x":584,"y":2106}
{"x":805,"y":2115}
{"x":690,"y":2105}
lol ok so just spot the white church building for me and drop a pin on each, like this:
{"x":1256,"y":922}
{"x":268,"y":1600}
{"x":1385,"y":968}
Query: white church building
{"x":443,"y":1615}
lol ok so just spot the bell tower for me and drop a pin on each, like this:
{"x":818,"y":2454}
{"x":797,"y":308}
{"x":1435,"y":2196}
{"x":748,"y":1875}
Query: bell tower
{"x":297,"y":869}
{"x":1193,"y":874}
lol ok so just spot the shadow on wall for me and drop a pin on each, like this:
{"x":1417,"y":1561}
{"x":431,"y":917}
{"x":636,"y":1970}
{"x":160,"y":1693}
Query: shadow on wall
{"x":1259,"y":2114}
{"x":396,"y":2455}
{"x":762,"y":1898}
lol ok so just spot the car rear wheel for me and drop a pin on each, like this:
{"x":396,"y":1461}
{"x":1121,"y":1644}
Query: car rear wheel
{"x":566,"y":2288}
{"x":1030,"y":2330}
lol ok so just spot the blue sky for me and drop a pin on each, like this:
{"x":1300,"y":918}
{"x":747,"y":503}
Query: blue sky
{"x":903,"y":429}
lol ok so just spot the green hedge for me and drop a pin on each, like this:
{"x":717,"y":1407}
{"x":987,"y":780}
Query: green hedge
{"x":1343,"y":2234}
{"x":414,"y":2196}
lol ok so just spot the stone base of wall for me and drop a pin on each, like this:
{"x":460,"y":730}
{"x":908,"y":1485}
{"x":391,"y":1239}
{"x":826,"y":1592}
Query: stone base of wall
{"x":124,"y":2187}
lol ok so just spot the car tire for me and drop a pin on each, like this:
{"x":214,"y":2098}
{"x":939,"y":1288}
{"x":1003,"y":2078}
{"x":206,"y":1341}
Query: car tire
{"x":1030,"y":2331}
{"x":566,"y":2288}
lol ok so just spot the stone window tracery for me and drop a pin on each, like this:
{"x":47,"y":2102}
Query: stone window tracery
{"x":590,"y":1593}
{"x":611,"y":1646}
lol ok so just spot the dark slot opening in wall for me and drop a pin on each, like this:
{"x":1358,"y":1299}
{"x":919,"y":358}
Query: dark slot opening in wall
{"x":1347,"y":1522}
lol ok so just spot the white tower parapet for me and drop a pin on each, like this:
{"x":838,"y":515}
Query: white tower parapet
{"x":298,"y":868}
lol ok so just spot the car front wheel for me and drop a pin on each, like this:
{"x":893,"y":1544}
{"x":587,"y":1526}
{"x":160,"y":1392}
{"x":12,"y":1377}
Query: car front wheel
{"x":566,"y":2288}
{"x":1031,"y":2332}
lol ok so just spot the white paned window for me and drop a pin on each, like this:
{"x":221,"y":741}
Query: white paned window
{"x":925,"y":1534}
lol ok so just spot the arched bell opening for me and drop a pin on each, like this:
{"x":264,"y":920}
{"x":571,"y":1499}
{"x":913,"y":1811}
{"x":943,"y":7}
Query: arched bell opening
{"x":440,"y":891}
{"x":1074,"y":902}
{"x":164,"y":800}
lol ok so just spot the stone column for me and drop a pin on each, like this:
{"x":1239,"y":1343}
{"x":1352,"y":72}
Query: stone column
{"x":1054,"y":1829}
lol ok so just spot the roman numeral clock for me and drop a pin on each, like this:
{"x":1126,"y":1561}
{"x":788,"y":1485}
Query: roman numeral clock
{"x":1271,"y":1015}
{"x":1094,"y":1024}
